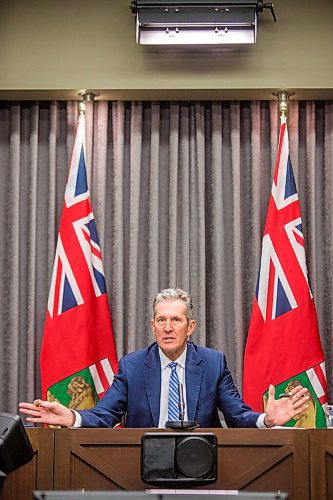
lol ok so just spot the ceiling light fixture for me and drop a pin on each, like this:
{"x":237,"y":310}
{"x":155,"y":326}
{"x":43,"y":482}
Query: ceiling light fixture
{"x":197,"y":22}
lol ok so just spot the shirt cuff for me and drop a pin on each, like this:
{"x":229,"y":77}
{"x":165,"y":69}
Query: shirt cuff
{"x":260,"y":422}
{"x":78,"y":419}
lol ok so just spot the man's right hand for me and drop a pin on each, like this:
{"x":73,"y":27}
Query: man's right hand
{"x":50,"y":413}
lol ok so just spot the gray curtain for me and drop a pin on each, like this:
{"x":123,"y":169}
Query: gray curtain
{"x":180,"y":192}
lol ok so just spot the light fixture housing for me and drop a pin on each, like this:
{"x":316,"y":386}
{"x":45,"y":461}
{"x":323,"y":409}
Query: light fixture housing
{"x":197,"y":22}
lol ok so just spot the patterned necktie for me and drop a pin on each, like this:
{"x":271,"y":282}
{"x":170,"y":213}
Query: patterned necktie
{"x":173,"y":404}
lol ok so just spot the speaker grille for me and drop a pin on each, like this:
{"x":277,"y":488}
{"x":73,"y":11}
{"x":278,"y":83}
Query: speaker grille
{"x":194,"y":457}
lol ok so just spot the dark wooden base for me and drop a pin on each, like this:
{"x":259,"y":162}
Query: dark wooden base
{"x":299,"y":462}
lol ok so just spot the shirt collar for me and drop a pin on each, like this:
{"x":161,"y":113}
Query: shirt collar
{"x":165,"y":360}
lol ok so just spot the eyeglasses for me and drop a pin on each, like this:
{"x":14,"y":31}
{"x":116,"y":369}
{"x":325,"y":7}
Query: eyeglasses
{"x":175,"y":321}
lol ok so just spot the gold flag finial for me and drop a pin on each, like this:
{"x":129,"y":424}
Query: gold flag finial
{"x":86,"y":96}
{"x":283,"y":97}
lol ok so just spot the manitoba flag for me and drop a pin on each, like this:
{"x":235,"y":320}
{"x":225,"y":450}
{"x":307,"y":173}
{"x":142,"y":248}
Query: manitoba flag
{"x":78,"y":355}
{"x":283,"y":345}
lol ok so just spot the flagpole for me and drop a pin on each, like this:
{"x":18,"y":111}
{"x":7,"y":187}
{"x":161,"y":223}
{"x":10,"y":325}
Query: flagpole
{"x":86,"y":96}
{"x":283,"y":98}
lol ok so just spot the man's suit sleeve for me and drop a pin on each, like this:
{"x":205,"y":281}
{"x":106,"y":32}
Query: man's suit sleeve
{"x":111,"y":408}
{"x":235,"y":411}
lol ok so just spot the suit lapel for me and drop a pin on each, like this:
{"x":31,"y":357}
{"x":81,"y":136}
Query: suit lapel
{"x":193,"y":378}
{"x":152,"y":377}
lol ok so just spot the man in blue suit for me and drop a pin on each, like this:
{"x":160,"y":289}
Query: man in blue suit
{"x":139,"y":393}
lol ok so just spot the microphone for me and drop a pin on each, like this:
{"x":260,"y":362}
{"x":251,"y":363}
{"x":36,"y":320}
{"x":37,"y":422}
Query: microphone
{"x":181,"y":403}
{"x":181,"y":423}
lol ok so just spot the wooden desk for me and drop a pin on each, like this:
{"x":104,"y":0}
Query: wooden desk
{"x":299,"y":462}
{"x":38,"y":473}
{"x":248,"y":459}
{"x":321,"y":464}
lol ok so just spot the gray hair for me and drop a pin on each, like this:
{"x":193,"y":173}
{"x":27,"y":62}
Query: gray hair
{"x":174,"y":294}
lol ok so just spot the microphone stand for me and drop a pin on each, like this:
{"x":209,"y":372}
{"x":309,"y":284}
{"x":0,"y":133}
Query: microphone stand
{"x":181,"y":423}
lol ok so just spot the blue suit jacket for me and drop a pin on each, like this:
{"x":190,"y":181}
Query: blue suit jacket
{"x":137,"y":386}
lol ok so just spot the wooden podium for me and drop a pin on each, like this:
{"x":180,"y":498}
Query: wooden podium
{"x":321,"y":463}
{"x":295,"y":461}
{"x":38,"y":473}
{"x":248,"y":459}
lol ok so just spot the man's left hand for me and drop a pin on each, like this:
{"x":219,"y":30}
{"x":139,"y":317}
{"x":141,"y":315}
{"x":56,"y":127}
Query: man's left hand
{"x":280,"y":411}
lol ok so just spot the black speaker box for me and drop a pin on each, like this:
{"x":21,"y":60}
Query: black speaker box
{"x":178,"y":460}
{"x":15,"y":447}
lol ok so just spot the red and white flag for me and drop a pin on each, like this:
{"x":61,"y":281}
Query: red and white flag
{"x":78,"y":355}
{"x":283,"y":345}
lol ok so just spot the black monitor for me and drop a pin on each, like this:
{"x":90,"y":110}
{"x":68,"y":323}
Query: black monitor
{"x":94,"y":495}
{"x":15,"y":447}
{"x":131,"y":495}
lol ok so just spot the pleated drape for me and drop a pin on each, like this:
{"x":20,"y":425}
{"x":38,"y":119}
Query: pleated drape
{"x":180,"y":192}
